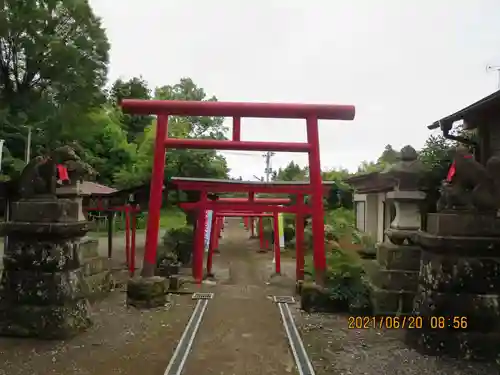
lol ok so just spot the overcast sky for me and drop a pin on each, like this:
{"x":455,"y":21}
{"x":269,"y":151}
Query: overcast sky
{"x":403,"y":64}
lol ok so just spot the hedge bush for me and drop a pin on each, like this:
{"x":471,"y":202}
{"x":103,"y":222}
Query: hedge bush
{"x":178,"y":241}
{"x":345,"y":278}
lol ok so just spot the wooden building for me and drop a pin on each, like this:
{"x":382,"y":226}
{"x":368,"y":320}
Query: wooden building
{"x":482,"y":120}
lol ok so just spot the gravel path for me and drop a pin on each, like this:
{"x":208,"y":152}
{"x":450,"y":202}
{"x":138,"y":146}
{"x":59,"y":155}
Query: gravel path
{"x":336,"y":350}
{"x":122,"y":341}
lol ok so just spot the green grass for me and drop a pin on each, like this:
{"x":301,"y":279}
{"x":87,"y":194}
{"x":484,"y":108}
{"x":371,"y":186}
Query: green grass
{"x":170,"y":218}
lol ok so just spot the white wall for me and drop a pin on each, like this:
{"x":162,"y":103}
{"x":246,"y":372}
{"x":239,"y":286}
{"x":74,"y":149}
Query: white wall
{"x":375,"y":222}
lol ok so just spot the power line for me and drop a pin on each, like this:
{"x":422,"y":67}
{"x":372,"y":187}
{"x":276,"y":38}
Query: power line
{"x":240,"y":153}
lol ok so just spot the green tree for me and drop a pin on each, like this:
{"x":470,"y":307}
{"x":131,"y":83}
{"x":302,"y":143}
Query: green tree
{"x":107,"y":148}
{"x":389,"y":155}
{"x":53,"y":65}
{"x":292,"y":172}
{"x":193,"y":126}
{"x":181,"y":163}
{"x":135,"y":88}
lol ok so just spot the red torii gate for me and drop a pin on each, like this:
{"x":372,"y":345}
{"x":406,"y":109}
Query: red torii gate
{"x":310,"y":112}
{"x":246,"y":209}
{"x":251,"y":198}
{"x":215,"y":233}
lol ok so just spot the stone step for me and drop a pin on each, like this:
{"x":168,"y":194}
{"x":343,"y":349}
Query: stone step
{"x":92,"y":266}
{"x":390,"y":302}
{"x":397,"y":257}
{"x":394,"y":280}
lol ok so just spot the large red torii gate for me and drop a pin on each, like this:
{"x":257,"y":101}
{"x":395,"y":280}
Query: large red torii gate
{"x":310,"y":112}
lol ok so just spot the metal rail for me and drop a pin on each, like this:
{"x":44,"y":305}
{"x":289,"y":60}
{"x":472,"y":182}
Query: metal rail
{"x":296,"y":345}
{"x":178,"y":360}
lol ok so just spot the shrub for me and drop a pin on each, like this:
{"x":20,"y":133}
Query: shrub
{"x":289,"y":233}
{"x":345,"y":278}
{"x":179,"y":241}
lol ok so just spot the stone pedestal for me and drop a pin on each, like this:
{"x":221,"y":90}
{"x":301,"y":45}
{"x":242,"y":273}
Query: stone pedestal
{"x":96,"y":269}
{"x":42,"y":289}
{"x":459,"y":285}
{"x":147,"y":292}
{"x":394,"y":279}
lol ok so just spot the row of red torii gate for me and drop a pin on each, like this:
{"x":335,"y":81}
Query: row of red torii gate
{"x":250,"y":206}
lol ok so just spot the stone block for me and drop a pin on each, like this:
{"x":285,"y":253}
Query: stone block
{"x":98,"y":285}
{"x":482,"y":311}
{"x":42,"y":255}
{"x":41,"y":288}
{"x":463,"y":224}
{"x":174,"y":283}
{"x":39,"y":230}
{"x":315,"y":298}
{"x":390,"y":302}
{"x":46,"y":211}
{"x":394,"y":279}
{"x":166,"y":270}
{"x":88,"y":247}
{"x":476,"y":346}
{"x":92,"y":266}
{"x":46,"y":322}
{"x":147,"y":292}
{"x":459,"y":275}
{"x":459,"y":246}
{"x":394,"y":257}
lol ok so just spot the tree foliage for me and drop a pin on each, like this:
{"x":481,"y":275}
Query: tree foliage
{"x":291,"y":172}
{"x":389,"y":156}
{"x":53,"y":65}
{"x":181,"y":163}
{"x":134,"y":88}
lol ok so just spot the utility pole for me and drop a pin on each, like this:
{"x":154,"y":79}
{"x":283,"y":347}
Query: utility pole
{"x":268,"y":155}
{"x":2,"y":141}
{"x":494,"y":68}
{"x":28,"y":146}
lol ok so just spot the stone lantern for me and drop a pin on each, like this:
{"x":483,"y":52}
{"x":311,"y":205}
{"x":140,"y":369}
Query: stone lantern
{"x":394,"y":278}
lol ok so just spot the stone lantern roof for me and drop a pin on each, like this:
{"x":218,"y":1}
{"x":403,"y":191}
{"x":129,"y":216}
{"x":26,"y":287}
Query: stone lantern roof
{"x":408,"y":172}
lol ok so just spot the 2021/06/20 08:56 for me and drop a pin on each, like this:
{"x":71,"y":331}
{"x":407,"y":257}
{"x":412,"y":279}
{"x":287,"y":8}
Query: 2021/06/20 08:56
{"x":407,"y":322}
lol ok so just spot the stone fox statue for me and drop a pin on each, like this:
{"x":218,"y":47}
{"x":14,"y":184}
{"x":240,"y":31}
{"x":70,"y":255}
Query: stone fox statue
{"x":39,"y":177}
{"x":471,"y":185}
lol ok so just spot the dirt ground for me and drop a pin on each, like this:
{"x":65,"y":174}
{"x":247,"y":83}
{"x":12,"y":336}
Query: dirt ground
{"x":122,"y":341}
{"x":241,"y":332}
{"x":336,"y":350}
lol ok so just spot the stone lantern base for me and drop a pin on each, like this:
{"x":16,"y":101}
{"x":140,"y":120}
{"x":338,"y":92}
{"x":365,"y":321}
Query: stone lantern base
{"x":43,"y":288}
{"x":458,"y":293}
